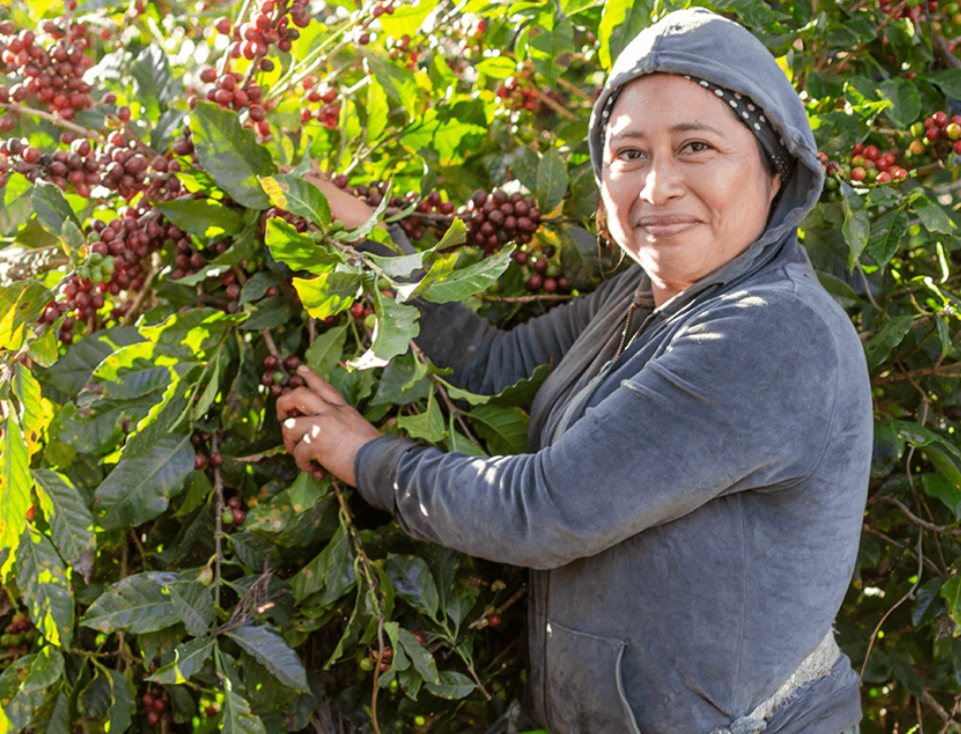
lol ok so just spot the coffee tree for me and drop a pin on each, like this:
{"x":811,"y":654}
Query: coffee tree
{"x":169,"y":260}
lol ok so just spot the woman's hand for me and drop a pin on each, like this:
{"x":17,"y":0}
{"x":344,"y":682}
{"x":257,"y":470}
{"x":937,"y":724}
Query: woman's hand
{"x":329,"y":431}
{"x":346,"y":207}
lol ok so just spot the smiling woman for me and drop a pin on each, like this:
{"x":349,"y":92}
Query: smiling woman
{"x":691,"y":501}
{"x":683,"y":183}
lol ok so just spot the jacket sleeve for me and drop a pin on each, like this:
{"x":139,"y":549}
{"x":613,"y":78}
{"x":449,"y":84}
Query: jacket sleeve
{"x":486,"y":359}
{"x":736,"y":400}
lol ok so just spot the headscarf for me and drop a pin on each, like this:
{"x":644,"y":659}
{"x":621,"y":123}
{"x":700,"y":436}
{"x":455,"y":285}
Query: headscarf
{"x":730,"y":61}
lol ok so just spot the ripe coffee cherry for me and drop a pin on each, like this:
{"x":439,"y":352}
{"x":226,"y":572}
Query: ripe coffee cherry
{"x":233,"y":503}
{"x":239,"y":516}
{"x":494,"y":620}
{"x":419,"y":636}
{"x":292,"y":362}
{"x":200,"y":462}
{"x":271,"y":362}
{"x":216,"y":460}
{"x":357,"y":310}
{"x":153,"y":717}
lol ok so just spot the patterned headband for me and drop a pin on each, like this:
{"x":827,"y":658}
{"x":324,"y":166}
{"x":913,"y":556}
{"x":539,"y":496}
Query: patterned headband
{"x":773,"y":151}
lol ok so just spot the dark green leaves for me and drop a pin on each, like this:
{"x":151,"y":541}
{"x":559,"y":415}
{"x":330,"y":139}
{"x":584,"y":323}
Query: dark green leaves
{"x":156,"y":87}
{"x":504,"y":429}
{"x":139,"y":489}
{"x":551,"y":180}
{"x":880,"y":345}
{"x":271,"y":651}
{"x":230,"y":154}
{"x":413,"y":582}
{"x":331,"y":572}
{"x":188,"y":660}
{"x":580,"y":256}
{"x":148,"y":602}
{"x":856,"y":227}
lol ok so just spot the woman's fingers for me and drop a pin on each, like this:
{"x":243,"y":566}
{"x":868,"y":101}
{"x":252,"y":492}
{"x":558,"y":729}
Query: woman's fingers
{"x":295,"y":429}
{"x":304,"y":400}
{"x":304,"y":455}
{"x":320,"y":386}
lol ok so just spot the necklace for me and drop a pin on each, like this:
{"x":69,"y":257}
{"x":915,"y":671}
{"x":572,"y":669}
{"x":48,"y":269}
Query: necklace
{"x":627,"y":327}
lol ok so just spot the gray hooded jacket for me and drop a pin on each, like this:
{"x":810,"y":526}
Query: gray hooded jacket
{"x":692,"y":508}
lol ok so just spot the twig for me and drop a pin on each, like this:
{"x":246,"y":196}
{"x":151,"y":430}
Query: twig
{"x":576,"y":90}
{"x":529,"y":299}
{"x":888,"y":539}
{"x":56,"y":120}
{"x":554,"y":105}
{"x":219,"y":529}
{"x":943,"y":371}
{"x":132,"y":313}
{"x":447,"y":401}
{"x":914,"y":518}
{"x":900,"y":601}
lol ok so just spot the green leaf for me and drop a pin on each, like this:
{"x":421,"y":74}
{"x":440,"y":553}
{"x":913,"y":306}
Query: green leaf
{"x":72,"y":241}
{"x":453,"y":685}
{"x":273,"y":652}
{"x":51,"y":207}
{"x":951,"y":593}
{"x":237,"y":716}
{"x":948,"y":79}
{"x":15,"y":205}
{"x":470,"y":280}
{"x":946,"y":490}
{"x":498,"y":67}
{"x":122,"y":704}
{"x":46,"y":669}
{"x":230,"y":154}
{"x":193,"y":603}
{"x":298,"y":196}
{"x":377,"y":108}
{"x":396,"y":325}
{"x":504,"y":429}
{"x":327,"y":294}
{"x":856,"y":227}
{"x":621,"y":20}
{"x":880,"y":345}
{"x":202,"y":217}
{"x":138,"y":490}
{"x":402,"y":382}
{"x":413,"y":582}
{"x":45,"y":584}
{"x":156,"y":87}
{"x":15,"y":484}
{"x":162,"y":419}
{"x":551,"y":180}
{"x":71,"y":523}
{"x":21,"y":304}
{"x":331,"y":571}
{"x":905,"y":101}
{"x":428,"y":425}
{"x":298,"y":251}
{"x":324,"y":354}
{"x":407,"y":19}
{"x":139,"y":603}
{"x":887,"y":232}
{"x":270,"y":313}
{"x":551,"y":48}
{"x":187,"y":661}
{"x":580,"y":256}
{"x":74,"y":370}
{"x":933,"y":217}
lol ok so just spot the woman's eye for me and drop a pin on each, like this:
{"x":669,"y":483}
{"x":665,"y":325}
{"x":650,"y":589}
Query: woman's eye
{"x":696,"y":146}
{"x":628,"y":154}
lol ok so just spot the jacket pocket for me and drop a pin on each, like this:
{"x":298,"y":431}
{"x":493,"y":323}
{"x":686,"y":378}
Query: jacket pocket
{"x":583,"y":689}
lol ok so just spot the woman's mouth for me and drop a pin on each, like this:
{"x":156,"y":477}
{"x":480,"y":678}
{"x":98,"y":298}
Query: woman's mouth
{"x":667,"y":226}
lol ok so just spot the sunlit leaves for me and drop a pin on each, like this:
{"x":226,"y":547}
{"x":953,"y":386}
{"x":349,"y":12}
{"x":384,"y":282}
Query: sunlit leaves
{"x":230,"y":154}
{"x":188,"y":660}
{"x":202,"y":217}
{"x":148,"y":602}
{"x":328,"y":294}
{"x":71,"y":523}
{"x":299,"y":197}
{"x":45,"y":583}
{"x":620,"y":22}
{"x":51,"y":207}
{"x":15,"y":483}
{"x":20,"y":305}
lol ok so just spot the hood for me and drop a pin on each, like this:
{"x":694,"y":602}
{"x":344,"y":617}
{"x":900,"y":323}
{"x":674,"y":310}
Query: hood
{"x":703,"y":44}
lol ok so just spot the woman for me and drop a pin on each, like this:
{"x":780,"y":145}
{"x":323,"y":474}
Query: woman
{"x":691,"y":501}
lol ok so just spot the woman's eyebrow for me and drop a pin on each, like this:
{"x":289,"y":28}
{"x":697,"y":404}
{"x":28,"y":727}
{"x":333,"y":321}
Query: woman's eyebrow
{"x":679,"y":127}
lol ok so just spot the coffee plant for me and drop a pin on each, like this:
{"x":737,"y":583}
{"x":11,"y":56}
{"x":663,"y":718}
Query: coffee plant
{"x":169,"y":258}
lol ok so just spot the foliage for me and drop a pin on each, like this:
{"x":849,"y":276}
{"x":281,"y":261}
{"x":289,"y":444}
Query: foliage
{"x":166,"y":264}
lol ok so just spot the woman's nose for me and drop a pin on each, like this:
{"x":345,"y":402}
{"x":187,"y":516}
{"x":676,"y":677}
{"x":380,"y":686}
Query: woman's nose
{"x":661,"y":183}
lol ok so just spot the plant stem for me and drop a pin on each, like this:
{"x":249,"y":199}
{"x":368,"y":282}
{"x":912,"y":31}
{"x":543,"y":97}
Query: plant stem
{"x":528,"y":299}
{"x":219,"y":529}
{"x":134,"y":309}
{"x":57,"y":120}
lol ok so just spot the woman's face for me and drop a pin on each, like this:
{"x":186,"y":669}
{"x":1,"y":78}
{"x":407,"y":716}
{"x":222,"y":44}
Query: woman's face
{"x":682,"y":181}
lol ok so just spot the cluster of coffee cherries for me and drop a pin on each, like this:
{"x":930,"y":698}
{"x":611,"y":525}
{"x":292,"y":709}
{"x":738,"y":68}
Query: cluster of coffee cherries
{"x":229,"y":91}
{"x":470,"y":31}
{"x":275,"y":376}
{"x":297,"y":222}
{"x":498,"y":218}
{"x":544,"y":275}
{"x":269,"y":25}
{"x":938,"y":135}
{"x":329,"y":111}
{"x":522,"y":93}
{"x":154,"y":705}
{"x":868,"y":163}
{"x":53,"y":75}
{"x":400,"y":50}
{"x":375,"y":659}
{"x":430,"y":211}
{"x":233,"y":513}
{"x":379,"y":9}
{"x":19,"y":634}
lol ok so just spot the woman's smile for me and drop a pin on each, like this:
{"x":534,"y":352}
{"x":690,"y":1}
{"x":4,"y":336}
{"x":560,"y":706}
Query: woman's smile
{"x":666,"y":227}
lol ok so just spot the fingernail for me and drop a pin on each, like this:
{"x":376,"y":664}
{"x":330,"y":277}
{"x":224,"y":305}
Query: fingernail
{"x":290,"y":423}
{"x":303,"y":369}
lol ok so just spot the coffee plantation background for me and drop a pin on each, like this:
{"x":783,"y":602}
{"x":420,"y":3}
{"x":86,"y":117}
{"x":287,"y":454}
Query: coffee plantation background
{"x":167,"y":261}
